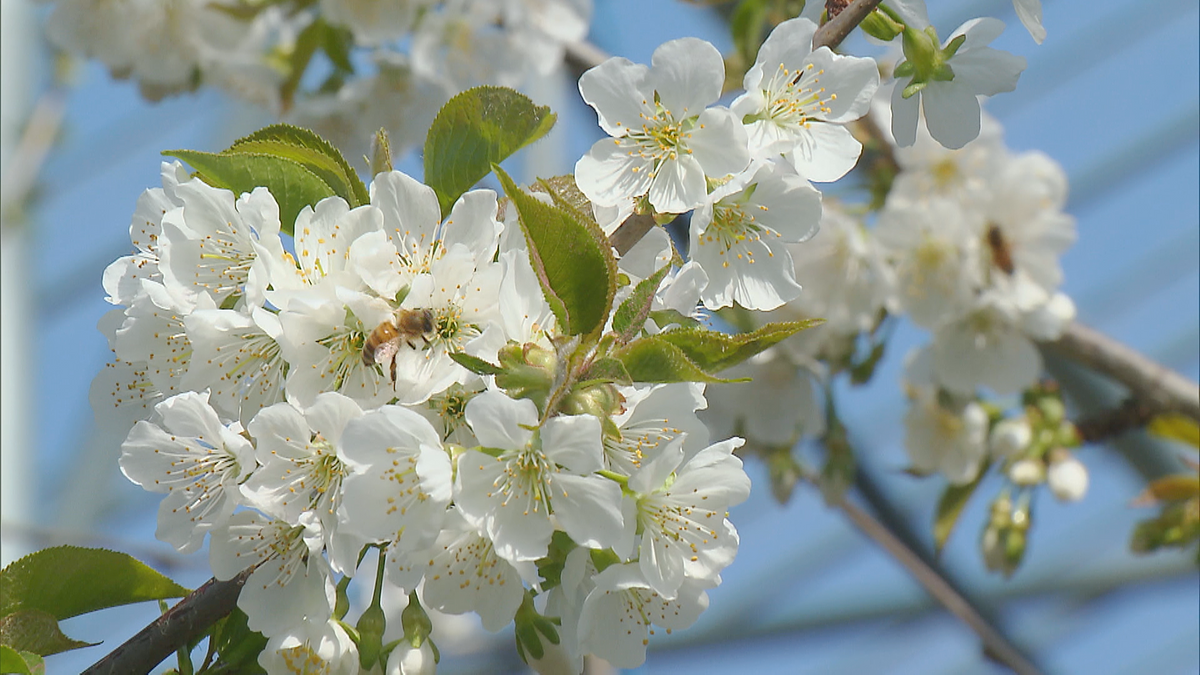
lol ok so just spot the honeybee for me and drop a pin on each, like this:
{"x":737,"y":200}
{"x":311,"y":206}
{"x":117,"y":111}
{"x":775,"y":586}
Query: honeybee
{"x":407,"y":326}
{"x":1001,"y":254}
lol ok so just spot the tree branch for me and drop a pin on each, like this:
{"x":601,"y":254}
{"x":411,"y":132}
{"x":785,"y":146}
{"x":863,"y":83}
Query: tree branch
{"x":994,"y":642}
{"x":1155,"y":385}
{"x":839,"y":27}
{"x":186,"y":621}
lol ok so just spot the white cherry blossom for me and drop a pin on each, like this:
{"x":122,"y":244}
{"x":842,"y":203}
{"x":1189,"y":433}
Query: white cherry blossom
{"x":616,"y":619}
{"x":512,"y":494}
{"x":290,"y":584}
{"x":195,"y":459}
{"x":797,"y":102}
{"x":400,"y":480}
{"x":738,"y":236}
{"x":307,"y":647}
{"x":682,"y":510}
{"x":464,"y":574}
{"x":951,"y":109}
{"x":665,"y":138}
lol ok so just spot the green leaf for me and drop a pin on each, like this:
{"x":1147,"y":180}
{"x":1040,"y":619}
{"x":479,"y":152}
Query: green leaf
{"x":22,"y":663}
{"x":32,"y":630}
{"x":303,"y":49}
{"x":746,"y":28}
{"x":630,"y":317}
{"x":475,"y":364}
{"x":1176,"y":427}
{"x":606,"y":369}
{"x":292,"y":185}
{"x":667,"y":317}
{"x":565,"y":193}
{"x":572,"y":259}
{"x":713,"y":351}
{"x":474,"y":130}
{"x":950,"y":506}
{"x":311,"y":151}
{"x":238,"y":647}
{"x":67,"y":581}
{"x":653,"y":359}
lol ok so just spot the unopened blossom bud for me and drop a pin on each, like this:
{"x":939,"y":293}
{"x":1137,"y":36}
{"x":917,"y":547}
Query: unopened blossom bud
{"x":1052,"y":409}
{"x":528,"y":371}
{"x":408,"y":660}
{"x":880,"y":26}
{"x":1067,"y":476}
{"x":1005,"y":534}
{"x":1027,"y":472}
{"x":1010,"y":437}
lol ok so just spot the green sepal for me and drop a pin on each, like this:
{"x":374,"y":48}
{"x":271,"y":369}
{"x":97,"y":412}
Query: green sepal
{"x":630,"y":317}
{"x":949,"y":507}
{"x":912,"y":89}
{"x":35,"y":631}
{"x":66,"y":581}
{"x":477,"y":128}
{"x":475,"y":364}
{"x":571,"y":258}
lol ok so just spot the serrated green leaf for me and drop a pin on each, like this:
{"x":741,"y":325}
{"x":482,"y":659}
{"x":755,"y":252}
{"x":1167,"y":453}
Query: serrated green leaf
{"x":713,"y":351}
{"x":21,"y":663}
{"x":477,"y":128}
{"x":67,"y":581}
{"x":311,"y":151}
{"x":32,"y":630}
{"x":565,"y":193}
{"x":654,"y":360}
{"x":475,"y":364}
{"x":949,"y":507}
{"x":292,"y":185}
{"x":630,"y":317}
{"x":571,"y":258}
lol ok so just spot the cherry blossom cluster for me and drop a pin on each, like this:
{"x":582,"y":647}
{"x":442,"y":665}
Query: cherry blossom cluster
{"x":744,"y":171}
{"x":394,"y":62}
{"x":240,"y":354}
{"x":966,"y":245}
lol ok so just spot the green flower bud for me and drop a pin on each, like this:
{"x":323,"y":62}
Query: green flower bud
{"x":880,"y":26}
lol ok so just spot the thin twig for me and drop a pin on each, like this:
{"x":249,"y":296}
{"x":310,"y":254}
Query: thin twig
{"x":995,"y":644}
{"x":1131,"y":414}
{"x":839,"y":27}
{"x":186,"y":621}
{"x":1160,"y":387}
